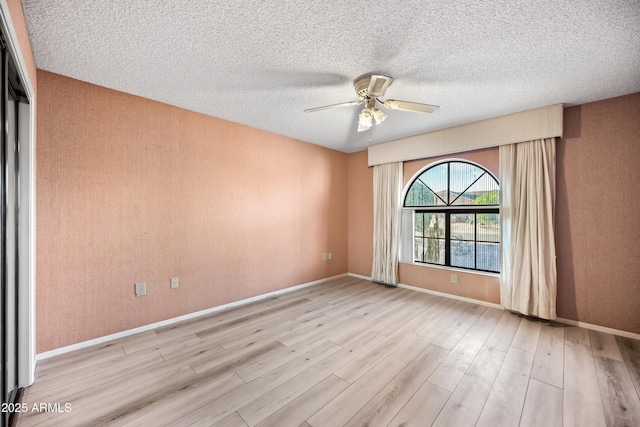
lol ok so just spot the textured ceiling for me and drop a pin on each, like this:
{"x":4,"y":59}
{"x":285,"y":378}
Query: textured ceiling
{"x":262,"y":62}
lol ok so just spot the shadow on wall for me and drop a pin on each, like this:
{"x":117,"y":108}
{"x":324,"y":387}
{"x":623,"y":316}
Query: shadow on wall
{"x":566,"y":299}
{"x":572,"y":126}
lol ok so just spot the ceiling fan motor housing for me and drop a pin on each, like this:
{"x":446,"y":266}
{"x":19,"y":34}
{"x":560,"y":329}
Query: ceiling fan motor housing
{"x":374,"y":85}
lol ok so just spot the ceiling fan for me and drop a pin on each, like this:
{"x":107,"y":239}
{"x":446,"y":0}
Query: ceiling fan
{"x":369,"y":88}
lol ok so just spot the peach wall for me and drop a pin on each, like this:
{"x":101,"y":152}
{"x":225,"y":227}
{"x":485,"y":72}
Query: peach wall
{"x":598,"y":233}
{"x":471,"y":285}
{"x":131,"y":190}
{"x":360,"y":214}
{"x":488,"y":158}
{"x":482,"y":287}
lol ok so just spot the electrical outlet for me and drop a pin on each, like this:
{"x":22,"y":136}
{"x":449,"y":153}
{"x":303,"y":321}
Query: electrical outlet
{"x":174,"y":282}
{"x":326,"y":256}
{"x":140,"y":289}
{"x":454,"y":278}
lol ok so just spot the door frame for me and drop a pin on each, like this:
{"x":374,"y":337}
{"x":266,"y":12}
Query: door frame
{"x":27,"y":254}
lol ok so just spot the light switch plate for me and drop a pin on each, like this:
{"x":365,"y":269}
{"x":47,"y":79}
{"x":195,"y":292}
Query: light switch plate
{"x":174,"y":282}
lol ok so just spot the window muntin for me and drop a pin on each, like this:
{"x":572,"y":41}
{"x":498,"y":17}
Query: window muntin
{"x":456,"y":219}
{"x":429,"y":237}
{"x":453,"y":184}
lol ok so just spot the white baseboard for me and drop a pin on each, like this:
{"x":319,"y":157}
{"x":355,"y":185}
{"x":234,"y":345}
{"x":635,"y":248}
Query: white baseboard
{"x":456,"y":297}
{"x":151,"y":326}
{"x":598,"y":328}
{"x":498,"y":306}
{"x":440,"y":294}
{"x":144,"y":328}
{"x":359,"y":276}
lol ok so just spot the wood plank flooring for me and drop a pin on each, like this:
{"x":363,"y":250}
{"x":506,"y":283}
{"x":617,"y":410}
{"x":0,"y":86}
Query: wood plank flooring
{"x":346,"y":352}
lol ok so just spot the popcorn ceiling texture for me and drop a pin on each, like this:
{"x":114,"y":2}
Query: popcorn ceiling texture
{"x":262,"y":62}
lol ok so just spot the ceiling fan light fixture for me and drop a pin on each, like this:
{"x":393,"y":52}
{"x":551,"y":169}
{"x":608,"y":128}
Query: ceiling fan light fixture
{"x":379,"y":116}
{"x":362,"y":128}
{"x":365,"y":119}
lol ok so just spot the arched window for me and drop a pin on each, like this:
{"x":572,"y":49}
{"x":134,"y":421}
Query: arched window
{"x":456,"y":221}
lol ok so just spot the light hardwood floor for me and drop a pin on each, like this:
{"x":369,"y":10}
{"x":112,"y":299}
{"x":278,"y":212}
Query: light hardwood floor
{"x":347,"y":352}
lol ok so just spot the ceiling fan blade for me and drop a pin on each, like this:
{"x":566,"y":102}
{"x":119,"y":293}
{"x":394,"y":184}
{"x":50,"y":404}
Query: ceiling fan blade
{"x":328,"y":107}
{"x":414,"y":107}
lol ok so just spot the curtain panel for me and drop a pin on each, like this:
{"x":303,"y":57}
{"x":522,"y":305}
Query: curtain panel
{"x":528,"y":277}
{"x":387,"y":190}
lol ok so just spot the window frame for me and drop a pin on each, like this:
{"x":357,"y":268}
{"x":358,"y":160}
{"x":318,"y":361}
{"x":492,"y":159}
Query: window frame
{"x":449,"y":210}
{"x":447,"y":237}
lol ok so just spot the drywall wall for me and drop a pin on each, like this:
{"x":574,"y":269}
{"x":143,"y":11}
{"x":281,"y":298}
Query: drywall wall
{"x":484,"y":287}
{"x":598,"y":206}
{"x":597,"y":231}
{"x":360,"y":194}
{"x":471,"y":285}
{"x":131,"y":190}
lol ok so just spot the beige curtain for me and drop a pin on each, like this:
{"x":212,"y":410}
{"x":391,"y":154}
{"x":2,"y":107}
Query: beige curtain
{"x":528,"y":280}
{"x":387,"y":189}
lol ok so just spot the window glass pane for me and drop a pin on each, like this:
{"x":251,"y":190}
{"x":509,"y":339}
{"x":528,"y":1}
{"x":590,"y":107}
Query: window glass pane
{"x":429,"y":250}
{"x":461,"y":199}
{"x":462,"y":253}
{"x":436,"y":179}
{"x":429,"y":243}
{"x":462,"y":226}
{"x":434,"y":224}
{"x":421,"y":224}
{"x":430,"y":224}
{"x":418,"y":225}
{"x":419,"y":195}
{"x":434,"y":251}
{"x":488,"y":227}
{"x":488,"y":256}
{"x":418,"y":249}
{"x":462,"y":176}
{"x":483,"y":192}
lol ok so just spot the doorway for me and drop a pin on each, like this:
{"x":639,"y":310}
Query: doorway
{"x":13,"y":223}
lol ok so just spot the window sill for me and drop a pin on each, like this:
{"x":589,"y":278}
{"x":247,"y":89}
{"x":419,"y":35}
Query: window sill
{"x":459,"y":270}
